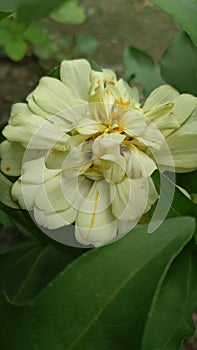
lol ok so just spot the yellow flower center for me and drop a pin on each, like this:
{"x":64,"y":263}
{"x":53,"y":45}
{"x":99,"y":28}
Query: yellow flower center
{"x":122,"y":103}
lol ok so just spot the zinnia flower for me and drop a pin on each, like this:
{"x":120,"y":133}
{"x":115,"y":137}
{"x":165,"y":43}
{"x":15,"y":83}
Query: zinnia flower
{"x":85,"y":149}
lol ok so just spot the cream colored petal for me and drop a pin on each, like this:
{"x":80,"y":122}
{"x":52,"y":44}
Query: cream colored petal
{"x":162,"y":116}
{"x":51,"y":197}
{"x":11,"y":155}
{"x":20,"y":108}
{"x":183,"y":145}
{"x":183,"y":150}
{"x":87,"y":126}
{"x":75,"y":188}
{"x":113,"y":172}
{"x":106,"y":145}
{"x":151,"y":138}
{"x":24,"y":194}
{"x":35,"y":172}
{"x":122,"y":90}
{"x":130,"y":200}
{"x":139,"y":164}
{"x":35,"y":132}
{"x":184,"y":105}
{"x":76,"y":75}
{"x":56,"y":219}
{"x":21,"y":128}
{"x":36,"y":109}
{"x":133,"y":122}
{"x":53,"y":96}
{"x":162,"y":94}
{"x":98,"y":236}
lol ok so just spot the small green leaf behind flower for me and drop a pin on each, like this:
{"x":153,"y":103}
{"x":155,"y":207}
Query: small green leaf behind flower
{"x":69,"y":12}
{"x":179,"y":64}
{"x":140,"y":68}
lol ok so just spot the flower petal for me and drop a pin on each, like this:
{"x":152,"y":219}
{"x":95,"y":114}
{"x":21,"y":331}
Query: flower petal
{"x":162,"y":94}
{"x":130,"y":200}
{"x":54,"y":96}
{"x":97,"y":236}
{"x":11,"y":158}
{"x":139,"y":164}
{"x":56,"y":219}
{"x":76,"y":75}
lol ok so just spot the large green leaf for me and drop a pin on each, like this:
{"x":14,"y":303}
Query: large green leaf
{"x":140,"y":68}
{"x":179,"y":64}
{"x":29,"y":267}
{"x":102,"y":300}
{"x":184,"y":12}
{"x":170,"y":318}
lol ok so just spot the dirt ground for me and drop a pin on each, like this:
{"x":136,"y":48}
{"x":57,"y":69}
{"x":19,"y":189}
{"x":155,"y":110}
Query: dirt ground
{"x":116,"y":24}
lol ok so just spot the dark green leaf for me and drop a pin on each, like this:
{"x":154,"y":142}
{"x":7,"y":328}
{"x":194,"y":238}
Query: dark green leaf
{"x":180,"y":205}
{"x":95,"y":66}
{"x":55,"y":73}
{"x":29,"y":267}
{"x":179,"y":64}
{"x":5,"y":193}
{"x":140,"y":68}
{"x":4,"y":14}
{"x":5,"y":220}
{"x":170,"y":318}
{"x":184,"y":12}
{"x":102,"y":300}
{"x":188,"y":181}
{"x":16,"y":49}
{"x":69,"y":12}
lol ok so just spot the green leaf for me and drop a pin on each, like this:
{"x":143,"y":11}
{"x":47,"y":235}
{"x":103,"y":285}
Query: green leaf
{"x":102,"y":300}
{"x":34,"y":34}
{"x":170,"y":318}
{"x":46,"y":50}
{"x":69,"y":12}
{"x":29,"y":267}
{"x":179,"y":64}
{"x":95,"y":66}
{"x":86,"y":44}
{"x":188,"y":181}
{"x":16,"y":49}
{"x":4,"y":14}
{"x":5,"y":193}
{"x":180,"y":205}
{"x":5,"y":36}
{"x":5,"y":220}
{"x":184,"y":12}
{"x":55,"y":72}
{"x":140,"y":68}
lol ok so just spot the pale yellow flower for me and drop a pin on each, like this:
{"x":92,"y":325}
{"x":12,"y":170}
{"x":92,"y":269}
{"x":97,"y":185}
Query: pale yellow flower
{"x":85,"y":150}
